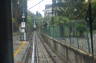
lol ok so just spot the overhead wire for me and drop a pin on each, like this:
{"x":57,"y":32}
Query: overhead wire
{"x":36,"y":4}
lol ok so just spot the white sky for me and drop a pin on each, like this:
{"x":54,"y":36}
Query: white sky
{"x":40,"y":7}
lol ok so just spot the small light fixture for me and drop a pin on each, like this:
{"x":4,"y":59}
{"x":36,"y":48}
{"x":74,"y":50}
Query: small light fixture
{"x":86,"y":1}
{"x":18,"y":2}
{"x":75,"y":10}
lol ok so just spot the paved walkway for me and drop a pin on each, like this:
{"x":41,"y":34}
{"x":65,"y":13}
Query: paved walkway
{"x":20,"y":51}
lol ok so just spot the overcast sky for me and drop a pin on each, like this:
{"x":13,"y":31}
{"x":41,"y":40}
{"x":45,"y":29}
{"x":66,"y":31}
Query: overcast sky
{"x":40,"y":7}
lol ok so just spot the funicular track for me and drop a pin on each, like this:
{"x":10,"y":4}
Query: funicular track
{"x":40,"y":53}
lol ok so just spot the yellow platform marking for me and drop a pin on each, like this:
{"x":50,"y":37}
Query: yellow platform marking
{"x":19,"y":48}
{"x":19,"y":62}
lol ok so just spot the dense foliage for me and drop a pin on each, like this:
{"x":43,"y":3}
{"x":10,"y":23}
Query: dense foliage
{"x":72,"y":16}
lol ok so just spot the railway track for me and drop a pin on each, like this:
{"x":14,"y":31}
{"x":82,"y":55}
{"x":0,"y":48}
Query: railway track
{"x":39,"y":54}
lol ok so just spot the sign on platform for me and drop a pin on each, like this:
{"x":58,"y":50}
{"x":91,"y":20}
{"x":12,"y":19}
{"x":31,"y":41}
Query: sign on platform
{"x":22,"y":24}
{"x":23,"y":16}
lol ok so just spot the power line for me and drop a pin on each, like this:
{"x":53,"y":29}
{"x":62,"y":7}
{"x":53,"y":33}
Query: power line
{"x":36,"y":4}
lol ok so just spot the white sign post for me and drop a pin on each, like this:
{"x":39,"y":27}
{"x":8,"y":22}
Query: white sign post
{"x":22,"y":30}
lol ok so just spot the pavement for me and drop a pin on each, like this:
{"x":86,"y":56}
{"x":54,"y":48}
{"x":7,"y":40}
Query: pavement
{"x":19,"y":49}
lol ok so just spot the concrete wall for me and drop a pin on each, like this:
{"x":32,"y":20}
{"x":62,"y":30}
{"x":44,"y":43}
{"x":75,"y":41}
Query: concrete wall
{"x":66,"y":53}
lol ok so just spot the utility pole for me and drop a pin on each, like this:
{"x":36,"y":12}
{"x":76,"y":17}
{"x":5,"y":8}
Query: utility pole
{"x":90,"y":21}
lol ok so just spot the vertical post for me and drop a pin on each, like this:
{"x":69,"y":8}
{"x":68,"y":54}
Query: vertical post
{"x":77,"y":39}
{"x":88,"y":42}
{"x":6,"y":46}
{"x":91,"y":28}
{"x":25,"y":36}
{"x":67,"y":57}
{"x":53,"y":3}
{"x":70,"y":34}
